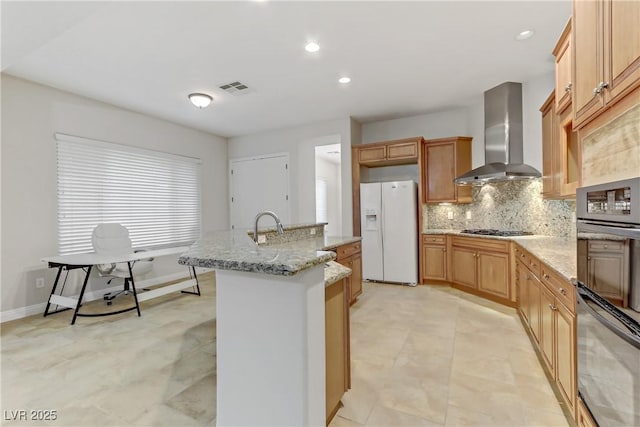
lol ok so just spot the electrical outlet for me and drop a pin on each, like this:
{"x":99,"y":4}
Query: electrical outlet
{"x":450,"y":214}
{"x":40,"y":282}
{"x":262,"y":238}
{"x":313,"y":231}
{"x":468,"y":214}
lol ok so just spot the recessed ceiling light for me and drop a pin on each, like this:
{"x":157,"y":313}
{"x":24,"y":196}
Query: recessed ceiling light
{"x":526,"y":34}
{"x":312,"y":47}
{"x":344,"y":80}
{"x":200,"y":100}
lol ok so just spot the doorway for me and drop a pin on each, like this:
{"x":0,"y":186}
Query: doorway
{"x":329,"y":187}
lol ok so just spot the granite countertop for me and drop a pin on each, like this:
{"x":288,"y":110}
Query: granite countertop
{"x":235,"y":250}
{"x":559,"y":253}
{"x":272,"y":227}
{"x":334,"y":272}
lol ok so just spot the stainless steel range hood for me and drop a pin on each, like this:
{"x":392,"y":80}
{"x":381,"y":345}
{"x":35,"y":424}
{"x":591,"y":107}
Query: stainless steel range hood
{"x":502,"y":138}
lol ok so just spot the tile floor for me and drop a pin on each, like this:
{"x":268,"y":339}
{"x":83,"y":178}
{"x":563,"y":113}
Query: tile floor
{"x":424,"y":356}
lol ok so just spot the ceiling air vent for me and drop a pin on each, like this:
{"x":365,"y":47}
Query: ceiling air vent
{"x":235,"y":88}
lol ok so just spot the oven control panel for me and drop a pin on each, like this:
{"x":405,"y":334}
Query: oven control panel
{"x":613,"y":202}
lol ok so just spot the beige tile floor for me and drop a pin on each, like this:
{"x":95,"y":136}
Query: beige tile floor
{"x":424,"y":356}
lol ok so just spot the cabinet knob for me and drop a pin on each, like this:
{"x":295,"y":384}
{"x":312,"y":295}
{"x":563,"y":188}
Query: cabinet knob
{"x":444,"y":249}
{"x":588,"y":257}
{"x":546,"y":276}
{"x":606,"y":246}
{"x":568,"y":87}
{"x":598,"y":89}
{"x":521,"y":255}
{"x":563,"y":291}
{"x":433,"y":239}
{"x":552,"y":307}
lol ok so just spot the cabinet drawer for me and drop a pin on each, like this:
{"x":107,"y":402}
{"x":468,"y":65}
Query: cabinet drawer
{"x":481,"y":244}
{"x":434,"y":239}
{"x":606,"y":246}
{"x":561,"y":288}
{"x":531,"y":262}
{"x":373,"y":154}
{"x":403,"y":151}
{"x":345,"y":251}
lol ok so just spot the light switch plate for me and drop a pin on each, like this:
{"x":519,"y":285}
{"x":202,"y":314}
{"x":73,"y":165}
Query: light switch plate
{"x":313,"y":231}
{"x":450,"y":214}
{"x":262,"y":238}
{"x":468,"y":214}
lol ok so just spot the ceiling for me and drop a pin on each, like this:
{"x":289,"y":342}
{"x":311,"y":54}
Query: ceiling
{"x":404,"y":58}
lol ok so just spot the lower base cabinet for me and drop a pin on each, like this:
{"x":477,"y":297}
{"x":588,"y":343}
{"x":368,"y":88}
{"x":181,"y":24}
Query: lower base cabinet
{"x":434,"y":257}
{"x":337,"y":347}
{"x":351,"y":257}
{"x":552,"y":325}
{"x":584,"y":417}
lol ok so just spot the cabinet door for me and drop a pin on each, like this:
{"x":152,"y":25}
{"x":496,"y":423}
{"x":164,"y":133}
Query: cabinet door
{"x":547,"y":326}
{"x":549,"y":132}
{"x":372,"y":154}
{"x":434,"y":262}
{"x":622,"y":46}
{"x":588,"y":70}
{"x":606,"y":274}
{"x":565,"y":354}
{"x":440,"y":172}
{"x":533,"y":290}
{"x":405,"y":150}
{"x":523,"y":295}
{"x":493,"y":273}
{"x":356,"y":276}
{"x":569,"y":156}
{"x":334,"y":330}
{"x":563,"y":70}
{"x":463,"y":271}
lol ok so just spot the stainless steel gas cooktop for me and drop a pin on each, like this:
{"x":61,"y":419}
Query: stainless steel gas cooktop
{"x":494,"y":232}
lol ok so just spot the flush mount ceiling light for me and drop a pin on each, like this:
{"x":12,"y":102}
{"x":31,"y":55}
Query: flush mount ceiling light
{"x":200,"y":100}
{"x":312,"y":47}
{"x":526,"y":34}
{"x":344,"y":80}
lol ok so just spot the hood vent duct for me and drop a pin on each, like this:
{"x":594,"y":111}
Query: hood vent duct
{"x":502,"y":138}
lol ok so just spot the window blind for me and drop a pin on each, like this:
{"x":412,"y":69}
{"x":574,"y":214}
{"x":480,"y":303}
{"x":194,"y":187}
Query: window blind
{"x":155,"y":195}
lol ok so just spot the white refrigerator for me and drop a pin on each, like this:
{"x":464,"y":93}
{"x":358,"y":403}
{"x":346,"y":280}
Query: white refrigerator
{"x":388,"y":220}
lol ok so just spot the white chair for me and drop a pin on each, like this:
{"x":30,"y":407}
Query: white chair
{"x":111,"y":239}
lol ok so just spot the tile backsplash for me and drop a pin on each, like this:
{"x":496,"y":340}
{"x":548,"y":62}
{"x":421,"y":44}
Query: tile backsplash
{"x":508,"y":205}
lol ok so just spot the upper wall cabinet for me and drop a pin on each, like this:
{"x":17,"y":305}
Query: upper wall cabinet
{"x":562,"y":53}
{"x":443,"y":160}
{"x":606,"y":52}
{"x":403,"y":151}
{"x":550,"y":184}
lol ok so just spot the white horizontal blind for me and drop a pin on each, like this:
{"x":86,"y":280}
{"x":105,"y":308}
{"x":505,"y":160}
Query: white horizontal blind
{"x":155,"y":195}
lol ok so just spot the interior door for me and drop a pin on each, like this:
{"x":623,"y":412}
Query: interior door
{"x":257,"y":184}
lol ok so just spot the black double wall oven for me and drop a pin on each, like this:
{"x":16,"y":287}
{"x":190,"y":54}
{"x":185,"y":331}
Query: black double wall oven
{"x":608,"y":306}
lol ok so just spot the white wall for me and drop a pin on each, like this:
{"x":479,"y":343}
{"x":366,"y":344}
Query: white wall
{"x":31,"y":114}
{"x":534,"y":93}
{"x":300,"y":143}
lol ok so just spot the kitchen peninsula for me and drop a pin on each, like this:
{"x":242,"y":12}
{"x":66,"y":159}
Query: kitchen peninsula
{"x":270,"y":323}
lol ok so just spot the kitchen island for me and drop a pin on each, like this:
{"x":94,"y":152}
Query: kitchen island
{"x":270,"y":326}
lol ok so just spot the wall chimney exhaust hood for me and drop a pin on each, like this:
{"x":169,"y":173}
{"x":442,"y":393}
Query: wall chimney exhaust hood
{"x":502,"y":138}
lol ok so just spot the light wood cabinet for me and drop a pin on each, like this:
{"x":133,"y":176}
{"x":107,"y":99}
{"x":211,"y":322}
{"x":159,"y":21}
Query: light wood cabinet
{"x":482,"y":265}
{"x":562,"y":53}
{"x":548,"y":309}
{"x":550,"y":184}
{"x":522,"y":291}
{"x":434,"y":257}
{"x":463,"y":267}
{"x":606,"y":51}
{"x":337,"y":364}
{"x":389,"y":153}
{"x":561,"y":154}
{"x":443,"y":160}
{"x":584,"y":417}
{"x":350,"y":256}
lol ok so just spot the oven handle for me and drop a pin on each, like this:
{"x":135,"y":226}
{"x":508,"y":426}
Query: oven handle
{"x":631,"y":337}
{"x":630,"y":231}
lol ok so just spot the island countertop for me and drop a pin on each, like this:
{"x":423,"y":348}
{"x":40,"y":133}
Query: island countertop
{"x":235,"y":250}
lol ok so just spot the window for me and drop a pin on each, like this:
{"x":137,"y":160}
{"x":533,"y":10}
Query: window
{"x":155,"y":195}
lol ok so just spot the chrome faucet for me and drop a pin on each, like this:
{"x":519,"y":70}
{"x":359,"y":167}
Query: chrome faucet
{"x":274,"y":216}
